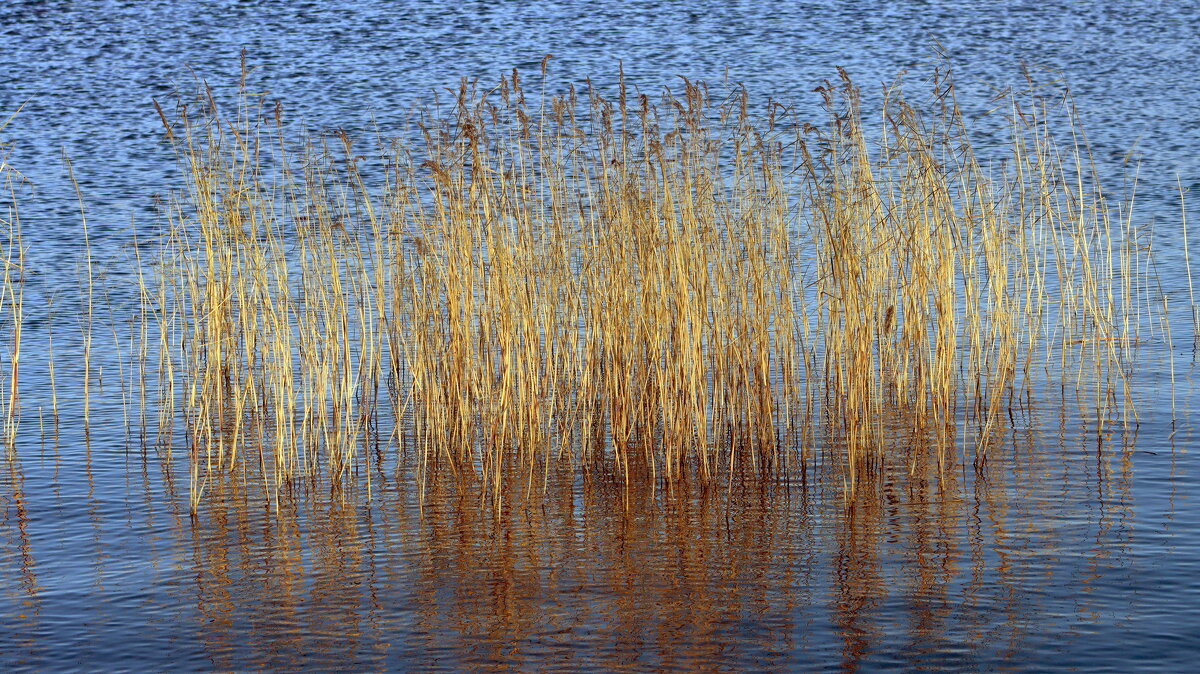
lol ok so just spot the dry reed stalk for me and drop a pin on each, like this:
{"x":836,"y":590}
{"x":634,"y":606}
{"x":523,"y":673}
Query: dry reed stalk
{"x":1187,"y":265}
{"x":12,"y":295}
{"x":12,"y":292}
{"x":87,"y":293}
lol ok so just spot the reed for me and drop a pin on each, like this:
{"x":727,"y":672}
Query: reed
{"x":12,"y":296}
{"x":86,"y":297}
{"x":1187,"y":264}
{"x":662,"y":288}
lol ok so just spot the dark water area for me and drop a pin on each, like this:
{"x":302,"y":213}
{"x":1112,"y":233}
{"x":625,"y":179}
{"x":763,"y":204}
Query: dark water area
{"x":1077,"y":547}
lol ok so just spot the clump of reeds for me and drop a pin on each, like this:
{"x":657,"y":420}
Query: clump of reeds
{"x":665,"y":287}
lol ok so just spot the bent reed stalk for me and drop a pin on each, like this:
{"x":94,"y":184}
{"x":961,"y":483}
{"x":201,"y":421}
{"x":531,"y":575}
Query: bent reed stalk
{"x":656,"y":288}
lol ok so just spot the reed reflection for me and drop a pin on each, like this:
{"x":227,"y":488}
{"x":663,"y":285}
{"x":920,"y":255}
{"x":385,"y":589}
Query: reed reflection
{"x":284,"y":589}
{"x":598,"y":576}
{"x":934,"y":559}
{"x":22,"y":607}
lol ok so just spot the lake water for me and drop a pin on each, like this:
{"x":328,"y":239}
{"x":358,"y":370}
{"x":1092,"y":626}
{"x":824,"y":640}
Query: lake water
{"x":1078,"y":549}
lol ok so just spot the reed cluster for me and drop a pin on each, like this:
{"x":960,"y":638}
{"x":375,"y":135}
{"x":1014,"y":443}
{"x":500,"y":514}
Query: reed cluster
{"x":669,"y":287}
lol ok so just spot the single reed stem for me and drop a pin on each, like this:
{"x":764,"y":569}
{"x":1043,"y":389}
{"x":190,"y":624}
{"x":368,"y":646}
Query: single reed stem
{"x":87,"y":295}
{"x":1187,"y":263}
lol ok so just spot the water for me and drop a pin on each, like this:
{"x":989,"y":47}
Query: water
{"x":1077,"y":551}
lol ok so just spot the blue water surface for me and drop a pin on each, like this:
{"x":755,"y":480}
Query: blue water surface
{"x":1081,"y":554}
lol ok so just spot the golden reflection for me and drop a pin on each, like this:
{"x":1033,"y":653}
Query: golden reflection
{"x":599,"y":576}
{"x":285,"y":585}
{"x":23,"y":592}
{"x":939,"y":559}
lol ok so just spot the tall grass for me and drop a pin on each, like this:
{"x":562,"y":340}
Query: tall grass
{"x":663,"y":288}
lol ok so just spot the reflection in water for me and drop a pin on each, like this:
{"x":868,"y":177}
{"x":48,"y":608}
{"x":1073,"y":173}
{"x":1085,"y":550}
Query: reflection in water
{"x":974,"y":566}
{"x":276,"y":588}
{"x":23,"y":591}
{"x":968,"y":567}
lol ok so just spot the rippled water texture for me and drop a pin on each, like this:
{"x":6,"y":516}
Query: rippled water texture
{"x":1077,"y":548}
